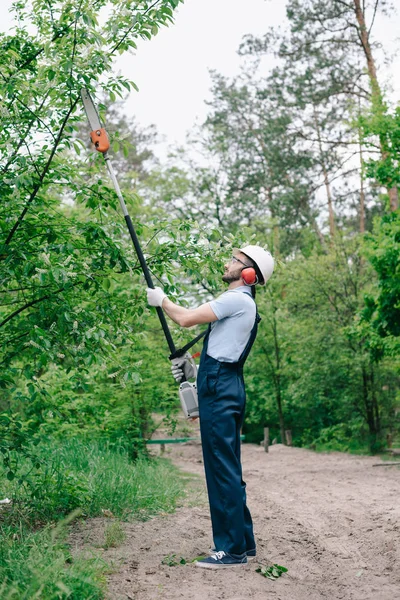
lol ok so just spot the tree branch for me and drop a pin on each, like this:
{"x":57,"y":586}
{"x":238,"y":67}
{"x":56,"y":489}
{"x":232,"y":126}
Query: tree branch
{"x":131,"y":27}
{"x":43,"y":175}
{"x":23,"y":137}
{"x":373,"y":17}
{"x":29,"y":304}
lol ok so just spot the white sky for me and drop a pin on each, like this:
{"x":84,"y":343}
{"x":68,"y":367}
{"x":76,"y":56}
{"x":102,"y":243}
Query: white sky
{"x":171,"y":70}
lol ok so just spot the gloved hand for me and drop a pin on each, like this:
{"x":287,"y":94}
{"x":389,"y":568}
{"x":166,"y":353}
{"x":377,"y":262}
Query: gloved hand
{"x":155,"y":296}
{"x":184,"y":365}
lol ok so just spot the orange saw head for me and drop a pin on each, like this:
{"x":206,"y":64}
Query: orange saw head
{"x":100,"y":139}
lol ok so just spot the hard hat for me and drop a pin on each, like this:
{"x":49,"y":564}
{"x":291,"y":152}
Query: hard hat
{"x":263,"y":261}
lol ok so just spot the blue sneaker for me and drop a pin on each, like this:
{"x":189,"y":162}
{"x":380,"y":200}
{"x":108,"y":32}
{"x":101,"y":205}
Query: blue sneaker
{"x":222,"y":560}
{"x":251,"y":554}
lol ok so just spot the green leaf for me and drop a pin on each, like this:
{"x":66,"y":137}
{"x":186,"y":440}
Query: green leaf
{"x":272,"y":572}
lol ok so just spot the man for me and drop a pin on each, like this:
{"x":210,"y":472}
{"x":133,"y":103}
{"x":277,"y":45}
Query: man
{"x":233,"y":326}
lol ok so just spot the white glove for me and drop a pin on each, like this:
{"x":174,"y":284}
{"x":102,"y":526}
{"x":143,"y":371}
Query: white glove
{"x":155,"y":296}
{"x":184,"y":365}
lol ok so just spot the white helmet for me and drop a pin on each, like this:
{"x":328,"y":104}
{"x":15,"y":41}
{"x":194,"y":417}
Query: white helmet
{"x":263,"y":260}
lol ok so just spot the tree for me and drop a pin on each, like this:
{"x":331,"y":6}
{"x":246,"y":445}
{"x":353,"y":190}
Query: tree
{"x":322,"y":76}
{"x":47,"y":259}
{"x":260,"y":176}
{"x":68,"y":299}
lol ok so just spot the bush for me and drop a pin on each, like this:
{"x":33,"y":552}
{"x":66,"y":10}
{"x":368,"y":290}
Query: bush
{"x":342,"y":437}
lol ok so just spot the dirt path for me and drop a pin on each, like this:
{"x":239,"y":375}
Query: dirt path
{"x":333,"y":520}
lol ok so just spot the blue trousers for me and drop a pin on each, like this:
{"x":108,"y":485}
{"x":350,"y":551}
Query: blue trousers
{"x":221,"y":405}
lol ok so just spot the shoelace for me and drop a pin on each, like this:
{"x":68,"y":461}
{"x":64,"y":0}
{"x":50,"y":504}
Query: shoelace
{"x":218,"y":555}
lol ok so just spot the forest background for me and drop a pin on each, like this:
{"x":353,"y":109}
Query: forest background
{"x":303,"y":159}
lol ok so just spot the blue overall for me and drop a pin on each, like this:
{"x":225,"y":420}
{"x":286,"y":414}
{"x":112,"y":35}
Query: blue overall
{"x":222,"y":400}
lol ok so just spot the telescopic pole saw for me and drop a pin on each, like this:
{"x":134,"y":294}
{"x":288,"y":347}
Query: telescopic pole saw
{"x":99,"y":137}
{"x":101,"y":142}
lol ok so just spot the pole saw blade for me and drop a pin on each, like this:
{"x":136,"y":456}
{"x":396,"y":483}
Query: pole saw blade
{"x":90,"y":110}
{"x":98,"y":135}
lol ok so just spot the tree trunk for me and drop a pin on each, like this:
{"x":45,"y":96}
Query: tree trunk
{"x":280,"y":411}
{"x":369,"y":409}
{"x":278,"y":391}
{"x":319,"y":233}
{"x":362,"y":192}
{"x":376,"y":90}
{"x":375,"y":403}
{"x":326,"y":178}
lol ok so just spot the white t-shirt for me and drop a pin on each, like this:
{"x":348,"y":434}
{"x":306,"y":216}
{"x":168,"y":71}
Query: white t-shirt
{"x":236,"y":314}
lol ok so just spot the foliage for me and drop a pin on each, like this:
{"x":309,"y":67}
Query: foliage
{"x":73,"y":318}
{"x":288,"y":152}
{"x":272,"y":572}
{"x":92,"y":477}
{"x":267,"y":171}
{"x":342,"y":437}
{"x":40,"y":564}
{"x":382,"y":310}
{"x":321,"y":84}
{"x":381,"y":124}
{"x":172,"y":560}
{"x":17,"y":441}
{"x":324,"y":377}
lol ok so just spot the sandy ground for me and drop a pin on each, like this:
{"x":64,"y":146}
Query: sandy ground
{"x":332,"y":519}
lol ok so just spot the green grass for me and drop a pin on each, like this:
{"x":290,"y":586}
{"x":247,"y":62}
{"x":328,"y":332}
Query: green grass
{"x":39,"y":565}
{"x":114,"y":535}
{"x":93,"y":478}
{"x":73,"y":478}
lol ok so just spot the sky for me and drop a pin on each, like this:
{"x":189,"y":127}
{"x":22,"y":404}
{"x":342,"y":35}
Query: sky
{"x":172,"y":70}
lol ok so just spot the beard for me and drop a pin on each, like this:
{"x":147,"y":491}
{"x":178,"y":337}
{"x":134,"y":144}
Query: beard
{"x":230,"y":277}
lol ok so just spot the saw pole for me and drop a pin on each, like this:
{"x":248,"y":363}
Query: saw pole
{"x":100,"y":139}
{"x":139,"y":252}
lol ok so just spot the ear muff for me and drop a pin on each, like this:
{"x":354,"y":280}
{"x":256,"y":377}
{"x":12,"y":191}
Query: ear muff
{"x":249,"y":276}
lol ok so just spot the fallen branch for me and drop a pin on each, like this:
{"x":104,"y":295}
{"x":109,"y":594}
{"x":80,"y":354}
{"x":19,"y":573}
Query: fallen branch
{"x":388,"y":464}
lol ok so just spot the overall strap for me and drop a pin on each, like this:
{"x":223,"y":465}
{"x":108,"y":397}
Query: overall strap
{"x":249,"y":345}
{"x":205,"y":343}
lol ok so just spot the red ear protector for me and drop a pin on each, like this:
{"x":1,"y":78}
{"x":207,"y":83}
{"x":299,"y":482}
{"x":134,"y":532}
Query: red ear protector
{"x":249,"y":276}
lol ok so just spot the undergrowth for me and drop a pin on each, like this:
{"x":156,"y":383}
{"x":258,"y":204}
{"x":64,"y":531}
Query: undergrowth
{"x":74,"y":478}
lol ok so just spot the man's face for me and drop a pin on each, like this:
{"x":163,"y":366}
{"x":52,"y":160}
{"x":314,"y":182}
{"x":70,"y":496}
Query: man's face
{"x":233,"y":268}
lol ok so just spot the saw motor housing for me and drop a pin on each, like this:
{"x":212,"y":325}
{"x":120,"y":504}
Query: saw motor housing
{"x":189,"y":399}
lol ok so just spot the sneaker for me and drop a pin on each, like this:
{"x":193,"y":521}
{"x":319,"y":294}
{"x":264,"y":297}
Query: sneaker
{"x":222,"y":560}
{"x":251,"y":554}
